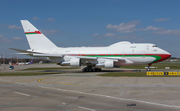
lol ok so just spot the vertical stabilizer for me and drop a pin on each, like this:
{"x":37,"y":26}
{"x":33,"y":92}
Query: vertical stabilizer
{"x":36,"y":40}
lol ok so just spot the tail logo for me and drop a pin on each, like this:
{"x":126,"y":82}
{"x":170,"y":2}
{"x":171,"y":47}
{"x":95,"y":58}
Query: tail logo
{"x":35,"y":32}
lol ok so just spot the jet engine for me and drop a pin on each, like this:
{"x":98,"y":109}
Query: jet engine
{"x":109,"y":64}
{"x":75,"y":62}
{"x":106,"y":64}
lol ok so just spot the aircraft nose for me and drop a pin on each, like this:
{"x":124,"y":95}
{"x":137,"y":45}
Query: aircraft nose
{"x":168,"y":56}
{"x":165,"y":56}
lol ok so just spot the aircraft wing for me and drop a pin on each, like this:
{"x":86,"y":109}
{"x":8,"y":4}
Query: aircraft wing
{"x":90,"y":60}
{"x":108,"y":58}
{"x":84,"y":57}
{"x":48,"y":55}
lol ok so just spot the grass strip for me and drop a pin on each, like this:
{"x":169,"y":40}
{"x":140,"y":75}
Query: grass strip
{"x":48,"y":68}
{"x":131,"y":74}
{"x":26,"y":73}
{"x":156,"y":65}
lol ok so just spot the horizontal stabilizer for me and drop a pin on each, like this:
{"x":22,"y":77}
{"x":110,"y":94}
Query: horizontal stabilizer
{"x":24,"y":51}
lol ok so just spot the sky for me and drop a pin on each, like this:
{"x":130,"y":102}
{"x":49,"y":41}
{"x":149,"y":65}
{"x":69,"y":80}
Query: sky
{"x":71,"y":23}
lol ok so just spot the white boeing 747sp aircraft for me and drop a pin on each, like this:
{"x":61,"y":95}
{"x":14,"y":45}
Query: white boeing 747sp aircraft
{"x":94,"y":58}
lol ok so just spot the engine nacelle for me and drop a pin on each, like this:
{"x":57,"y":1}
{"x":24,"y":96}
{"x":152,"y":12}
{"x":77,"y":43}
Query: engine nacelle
{"x":109,"y":64}
{"x":64,"y":63}
{"x":75,"y":62}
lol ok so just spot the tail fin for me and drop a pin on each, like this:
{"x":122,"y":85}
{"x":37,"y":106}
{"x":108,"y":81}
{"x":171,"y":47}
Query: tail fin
{"x":36,"y":40}
{"x":31,"y":62}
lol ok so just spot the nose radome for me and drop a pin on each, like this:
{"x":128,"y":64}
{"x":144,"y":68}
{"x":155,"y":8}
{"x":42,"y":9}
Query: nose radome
{"x":166,"y":55}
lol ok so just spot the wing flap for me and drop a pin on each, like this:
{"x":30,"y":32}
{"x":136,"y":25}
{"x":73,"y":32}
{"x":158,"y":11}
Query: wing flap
{"x":84,"y":57}
{"x":108,"y":58}
{"x":48,"y":55}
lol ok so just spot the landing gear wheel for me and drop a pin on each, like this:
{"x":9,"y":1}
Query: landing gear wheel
{"x":90,"y":69}
{"x":98,"y":69}
{"x":148,"y":69}
{"x":84,"y":70}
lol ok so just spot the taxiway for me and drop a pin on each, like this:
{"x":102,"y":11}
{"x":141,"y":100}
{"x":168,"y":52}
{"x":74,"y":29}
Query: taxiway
{"x":75,"y":91}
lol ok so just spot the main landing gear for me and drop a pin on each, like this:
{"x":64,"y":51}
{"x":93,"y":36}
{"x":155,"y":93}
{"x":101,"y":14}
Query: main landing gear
{"x":90,"y":69}
{"x":149,"y":69}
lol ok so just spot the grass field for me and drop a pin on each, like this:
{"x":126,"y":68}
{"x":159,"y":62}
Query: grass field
{"x":172,"y":65}
{"x":26,"y":73}
{"x":156,"y":65}
{"x":162,"y":65}
{"x":130,"y":74}
{"x":48,"y":68}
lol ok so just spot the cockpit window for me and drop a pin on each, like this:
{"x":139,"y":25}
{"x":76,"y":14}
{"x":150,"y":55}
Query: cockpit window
{"x":154,"y":46}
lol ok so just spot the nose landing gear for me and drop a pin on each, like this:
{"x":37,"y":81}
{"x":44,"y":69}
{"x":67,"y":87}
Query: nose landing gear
{"x":149,"y":69}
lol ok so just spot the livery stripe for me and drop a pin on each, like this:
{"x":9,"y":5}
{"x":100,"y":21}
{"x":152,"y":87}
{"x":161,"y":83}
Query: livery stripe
{"x":159,"y":57}
{"x":35,"y":32}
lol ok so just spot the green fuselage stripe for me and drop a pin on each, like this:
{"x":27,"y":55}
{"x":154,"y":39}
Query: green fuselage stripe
{"x":155,"y":56}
